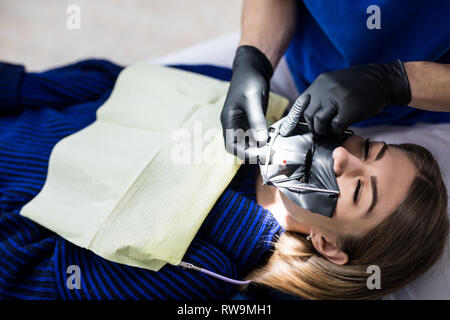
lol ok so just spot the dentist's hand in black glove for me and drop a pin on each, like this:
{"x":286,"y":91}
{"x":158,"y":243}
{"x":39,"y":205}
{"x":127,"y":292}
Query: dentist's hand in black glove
{"x":246,"y":103}
{"x":341,"y":98}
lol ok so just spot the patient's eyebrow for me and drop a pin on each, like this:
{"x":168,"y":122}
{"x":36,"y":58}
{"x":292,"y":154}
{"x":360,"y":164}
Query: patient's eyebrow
{"x":381,"y":152}
{"x":373,"y":180}
{"x":373,"y":183}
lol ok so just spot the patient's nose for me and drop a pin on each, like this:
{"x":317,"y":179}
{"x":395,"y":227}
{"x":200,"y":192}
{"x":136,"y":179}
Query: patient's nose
{"x":345,"y":162}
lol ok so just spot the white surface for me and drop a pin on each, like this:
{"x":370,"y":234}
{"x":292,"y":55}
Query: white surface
{"x":35,"y":33}
{"x":434,"y":284}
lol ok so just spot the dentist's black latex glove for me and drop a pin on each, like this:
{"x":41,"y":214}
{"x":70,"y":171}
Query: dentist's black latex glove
{"x":341,"y":98}
{"x":246,"y":102}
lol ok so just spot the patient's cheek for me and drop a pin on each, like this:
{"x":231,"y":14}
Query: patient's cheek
{"x":269,"y":198}
{"x":338,"y":210}
{"x":264,"y":194}
{"x":345,"y":217}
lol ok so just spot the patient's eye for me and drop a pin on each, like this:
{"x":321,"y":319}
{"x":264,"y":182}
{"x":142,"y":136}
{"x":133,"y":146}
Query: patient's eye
{"x":356,"y":193}
{"x":366,"y":149}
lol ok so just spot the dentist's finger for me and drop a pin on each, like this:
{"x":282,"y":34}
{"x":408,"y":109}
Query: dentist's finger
{"x":322,"y":119}
{"x":294,"y":115}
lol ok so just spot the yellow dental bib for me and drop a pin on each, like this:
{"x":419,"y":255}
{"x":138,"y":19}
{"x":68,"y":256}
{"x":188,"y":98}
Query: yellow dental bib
{"x":135,"y":186}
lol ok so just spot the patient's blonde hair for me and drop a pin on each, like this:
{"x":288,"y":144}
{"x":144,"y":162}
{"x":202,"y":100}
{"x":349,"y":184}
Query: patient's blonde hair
{"x":403,"y":246}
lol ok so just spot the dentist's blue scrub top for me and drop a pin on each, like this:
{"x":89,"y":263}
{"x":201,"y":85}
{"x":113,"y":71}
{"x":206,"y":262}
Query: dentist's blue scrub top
{"x":333,"y":35}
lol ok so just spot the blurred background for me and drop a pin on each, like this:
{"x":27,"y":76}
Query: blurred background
{"x":35,"y":33}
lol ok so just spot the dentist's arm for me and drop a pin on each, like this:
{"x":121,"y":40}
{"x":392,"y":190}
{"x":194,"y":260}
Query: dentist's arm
{"x":430,"y":85}
{"x":340,"y":98}
{"x":267,"y":28}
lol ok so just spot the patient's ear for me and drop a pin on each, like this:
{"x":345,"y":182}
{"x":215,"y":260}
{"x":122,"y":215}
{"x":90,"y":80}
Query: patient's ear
{"x":329,"y":250}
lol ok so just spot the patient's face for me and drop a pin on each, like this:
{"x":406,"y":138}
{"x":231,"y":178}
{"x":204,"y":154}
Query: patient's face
{"x":373,"y":179}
